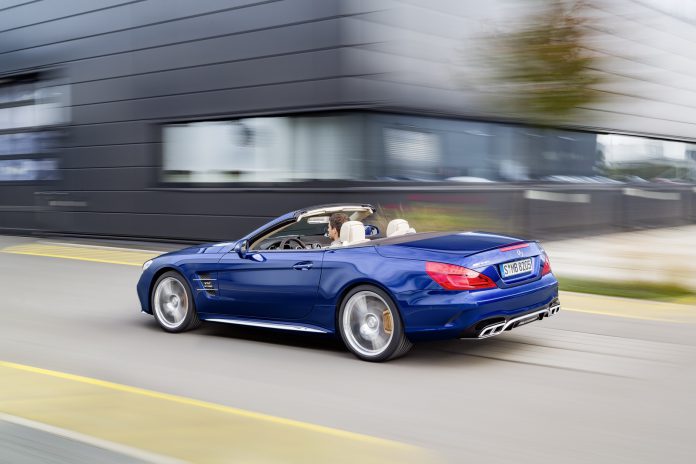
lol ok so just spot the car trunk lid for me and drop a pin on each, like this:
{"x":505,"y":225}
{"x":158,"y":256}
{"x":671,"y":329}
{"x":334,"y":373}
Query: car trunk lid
{"x":482,"y":252}
{"x":453,"y":243}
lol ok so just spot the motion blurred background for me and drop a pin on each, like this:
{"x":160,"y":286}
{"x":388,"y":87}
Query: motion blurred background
{"x":568,"y":121}
{"x":193,"y":121}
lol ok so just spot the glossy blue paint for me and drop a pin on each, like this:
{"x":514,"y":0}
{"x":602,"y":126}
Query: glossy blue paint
{"x":271,"y":284}
{"x":305,"y":287}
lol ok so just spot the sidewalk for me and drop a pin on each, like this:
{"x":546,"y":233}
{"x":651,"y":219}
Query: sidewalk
{"x":628,"y":308}
{"x":665,"y":256}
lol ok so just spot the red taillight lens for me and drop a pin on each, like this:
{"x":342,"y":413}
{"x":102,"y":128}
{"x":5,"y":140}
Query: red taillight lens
{"x":514,"y":247}
{"x":546,"y":266}
{"x":451,"y":277}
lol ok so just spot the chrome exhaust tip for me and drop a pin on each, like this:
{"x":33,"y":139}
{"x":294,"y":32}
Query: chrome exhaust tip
{"x":500,"y":327}
{"x":554,"y":309}
{"x":492,"y":330}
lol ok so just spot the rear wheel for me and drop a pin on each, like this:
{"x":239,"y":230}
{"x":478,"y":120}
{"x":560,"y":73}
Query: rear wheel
{"x":172,"y":303}
{"x":370,"y":325}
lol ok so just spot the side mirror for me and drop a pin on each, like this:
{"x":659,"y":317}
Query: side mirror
{"x":243,"y":249}
{"x":371,"y":231}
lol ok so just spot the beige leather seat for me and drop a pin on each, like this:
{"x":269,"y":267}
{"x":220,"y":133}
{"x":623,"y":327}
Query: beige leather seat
{"x":352,"y":232}
{"x":399,"y":227}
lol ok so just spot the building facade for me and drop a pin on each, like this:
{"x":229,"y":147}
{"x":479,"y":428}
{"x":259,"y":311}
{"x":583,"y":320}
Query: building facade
{"x":199,"y":120}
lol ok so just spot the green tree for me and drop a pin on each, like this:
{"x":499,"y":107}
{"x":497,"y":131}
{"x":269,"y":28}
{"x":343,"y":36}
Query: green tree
{"x":541,"y":71}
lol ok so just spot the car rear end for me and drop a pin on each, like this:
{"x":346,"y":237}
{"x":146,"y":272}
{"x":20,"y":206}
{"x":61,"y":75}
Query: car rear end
{"x":472,"y":291}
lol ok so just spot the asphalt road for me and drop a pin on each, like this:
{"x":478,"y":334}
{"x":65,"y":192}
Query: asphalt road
{"x":576,"y":388}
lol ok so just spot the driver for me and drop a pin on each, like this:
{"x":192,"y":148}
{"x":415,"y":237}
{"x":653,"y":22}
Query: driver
{"x":335,"y":222}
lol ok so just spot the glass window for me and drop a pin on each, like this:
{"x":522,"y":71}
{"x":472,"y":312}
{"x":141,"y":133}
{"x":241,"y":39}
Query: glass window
{"x":310,"y":232}
{"x":28,"y":169}
{"x":641,"y":159}
{"x":412,"y":154}
{"x":270,"y":149}
{"x":388,"y":147}
{"x":27,"y":105}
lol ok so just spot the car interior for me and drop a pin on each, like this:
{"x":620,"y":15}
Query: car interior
{"x":312,"y":232}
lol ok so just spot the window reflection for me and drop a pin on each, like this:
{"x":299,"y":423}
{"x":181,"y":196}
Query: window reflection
{"x":24,"y":170}
{"x":262,"y":150}
{"x":32,"y":107}
{"x":641,"y":159}
{"x":394,"y":147}
{"x":411,"y":154}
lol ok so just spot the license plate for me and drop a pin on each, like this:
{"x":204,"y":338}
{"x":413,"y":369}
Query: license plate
{"x":517,"y":267}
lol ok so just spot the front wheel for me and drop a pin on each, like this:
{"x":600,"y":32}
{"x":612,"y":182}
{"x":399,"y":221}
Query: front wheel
{"x":370,"y":325}
{"x":172,"y":303}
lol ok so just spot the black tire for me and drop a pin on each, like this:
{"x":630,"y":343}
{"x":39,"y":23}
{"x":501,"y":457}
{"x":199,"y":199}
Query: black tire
{"x":190,"y":320}
{"x":397,"y":345}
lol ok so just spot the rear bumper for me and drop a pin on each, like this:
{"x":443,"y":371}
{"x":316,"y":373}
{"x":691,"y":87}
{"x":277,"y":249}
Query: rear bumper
{"x":438,"y":315}
{"x":497,"y":328}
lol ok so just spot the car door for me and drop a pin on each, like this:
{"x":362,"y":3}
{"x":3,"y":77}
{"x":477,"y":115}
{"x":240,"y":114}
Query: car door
{"x":270,"y":284}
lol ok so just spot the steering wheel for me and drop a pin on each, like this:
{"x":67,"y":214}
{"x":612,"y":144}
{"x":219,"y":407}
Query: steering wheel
{"x":285,"y":244}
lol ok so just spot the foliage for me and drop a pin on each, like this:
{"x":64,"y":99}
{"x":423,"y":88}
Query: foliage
{"x":649,"y":171}
{"x":542,"y":71}
{"x":433,"y":217}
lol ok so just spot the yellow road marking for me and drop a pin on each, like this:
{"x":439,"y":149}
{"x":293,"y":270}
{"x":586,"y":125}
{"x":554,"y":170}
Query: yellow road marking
{"x":193,"y":402}
{"x":179,"y":427}
{"x":98,"y":255}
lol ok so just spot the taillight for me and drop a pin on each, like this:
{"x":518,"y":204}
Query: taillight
{"x":516,"y":246}
{"x":546,"y":266}
{"x":451,"y":277}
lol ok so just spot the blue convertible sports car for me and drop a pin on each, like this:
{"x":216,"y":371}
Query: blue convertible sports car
{"x":379,"y":293}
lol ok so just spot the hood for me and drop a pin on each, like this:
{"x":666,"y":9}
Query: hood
{"x":202,"y":248}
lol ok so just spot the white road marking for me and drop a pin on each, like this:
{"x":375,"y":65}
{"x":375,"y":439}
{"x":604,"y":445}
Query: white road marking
{"x":93,"y":441}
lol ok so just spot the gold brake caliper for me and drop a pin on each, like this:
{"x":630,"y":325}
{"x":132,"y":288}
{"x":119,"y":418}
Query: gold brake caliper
{"x":387,"y":321}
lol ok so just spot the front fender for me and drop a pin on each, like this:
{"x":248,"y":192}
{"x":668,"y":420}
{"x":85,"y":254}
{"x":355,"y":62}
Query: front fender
{"x":169,"y":262}
{"x":147,"y":280}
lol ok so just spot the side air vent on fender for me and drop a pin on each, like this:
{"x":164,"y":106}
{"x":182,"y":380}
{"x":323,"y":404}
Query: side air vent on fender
{"x":205,"y":282}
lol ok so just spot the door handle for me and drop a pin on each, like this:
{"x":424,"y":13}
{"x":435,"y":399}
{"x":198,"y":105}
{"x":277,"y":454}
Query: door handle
{"x":303,"y":266}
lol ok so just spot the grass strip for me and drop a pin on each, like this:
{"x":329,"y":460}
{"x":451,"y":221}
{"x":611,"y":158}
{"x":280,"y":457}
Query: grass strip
{"x":637,"y":290}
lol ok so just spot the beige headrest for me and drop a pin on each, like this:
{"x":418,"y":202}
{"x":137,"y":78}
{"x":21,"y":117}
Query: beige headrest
{"x":352,"y":232}
{"x":399,"y":227}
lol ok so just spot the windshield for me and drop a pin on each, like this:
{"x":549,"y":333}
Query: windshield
{"x":311,"y":232}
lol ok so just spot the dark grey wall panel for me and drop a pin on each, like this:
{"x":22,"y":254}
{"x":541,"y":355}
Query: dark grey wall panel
{"x":110,"y":134}
{"x":131,"y":155}
{"x":262,"y":29}
{"x":287,"y":40}
{"x":116,"y":178}
{"x":195,"y":203}
{"x":16,"y":195}
{"x":263,"y":71}
{"x":17,"y":221}
{"x":650,"y":212}
{"x":549,"y":218}
{"x":12,"y":4}
{"x":150,"y":225}
{"x":139,"y":20}
{"x":32,"y":14}
{"x":222,"y":215}
{"x":296,"y":95}
{"x":279,"y":41}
